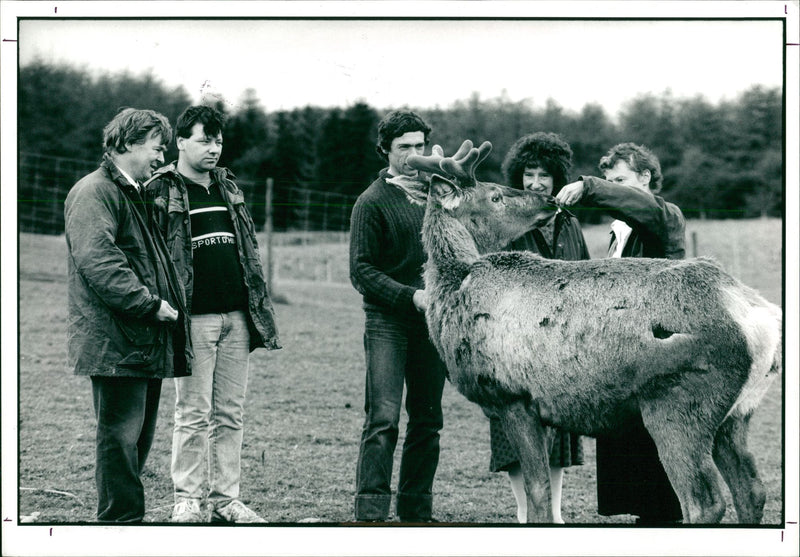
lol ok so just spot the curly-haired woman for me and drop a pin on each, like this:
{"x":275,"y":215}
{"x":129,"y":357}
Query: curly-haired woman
{"x":541,"y":162}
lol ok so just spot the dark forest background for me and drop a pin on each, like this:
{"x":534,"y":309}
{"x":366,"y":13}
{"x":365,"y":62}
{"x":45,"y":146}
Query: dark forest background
{"x":720,"y":161}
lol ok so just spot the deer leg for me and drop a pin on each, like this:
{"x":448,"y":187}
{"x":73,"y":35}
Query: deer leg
{"x":529,"y":437}
{"x":738,"y":467}
{"x":684,"y":448}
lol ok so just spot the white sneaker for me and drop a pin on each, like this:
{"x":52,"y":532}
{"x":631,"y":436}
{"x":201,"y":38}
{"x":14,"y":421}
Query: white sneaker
{"x":188,"y":510}
{"x":235,"y":511}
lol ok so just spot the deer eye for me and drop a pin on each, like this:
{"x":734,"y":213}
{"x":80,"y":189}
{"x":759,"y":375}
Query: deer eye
{"x":496,"y":198}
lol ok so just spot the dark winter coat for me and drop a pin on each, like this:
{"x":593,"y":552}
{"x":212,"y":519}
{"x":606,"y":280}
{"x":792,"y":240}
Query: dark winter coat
{"x":658,"y":226}
{"x":168,"y":199}
{"x":569,"y":243}
{"x":630,"y":476}
{"x":118,"y":273}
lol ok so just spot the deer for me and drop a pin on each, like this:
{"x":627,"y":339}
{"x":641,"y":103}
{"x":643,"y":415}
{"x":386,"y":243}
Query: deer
{"x":583,"y":345}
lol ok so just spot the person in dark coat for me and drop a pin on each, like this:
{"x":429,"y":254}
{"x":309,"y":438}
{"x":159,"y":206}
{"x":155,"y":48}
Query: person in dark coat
{"x":127,"y":319}
{"x":541,"y":162}
{"x":630,"y":476}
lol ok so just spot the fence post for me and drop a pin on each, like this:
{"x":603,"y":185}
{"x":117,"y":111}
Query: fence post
{"x":307,"y":218}
{"x":268,"y":234}
{"x":694,"y":244}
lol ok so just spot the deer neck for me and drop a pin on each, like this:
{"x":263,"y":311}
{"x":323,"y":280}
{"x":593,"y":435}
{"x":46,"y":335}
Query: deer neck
{"x":450,"y":248}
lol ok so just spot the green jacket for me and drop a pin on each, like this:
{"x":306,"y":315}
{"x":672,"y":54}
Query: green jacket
{"x":118,"y":273}
{"x":168,"y":201}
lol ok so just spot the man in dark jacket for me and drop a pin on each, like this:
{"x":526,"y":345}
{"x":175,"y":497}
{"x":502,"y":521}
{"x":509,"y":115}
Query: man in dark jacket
{"x":211,"y":238}
{"x":630,"y":476}
{"x":386,"y":258}
{"x":127,"y":318}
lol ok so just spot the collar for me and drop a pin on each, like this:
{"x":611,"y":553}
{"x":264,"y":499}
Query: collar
{"x":133,"y":182}
{"x":119,"y":177}
{"x":114,"y":166}
{"x":219,"y":174}
{"x":564,"y":213}
{"x":621,"y":233}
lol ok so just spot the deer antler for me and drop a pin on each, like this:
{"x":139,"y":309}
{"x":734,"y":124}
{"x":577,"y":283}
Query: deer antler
{"x":461,"y":165}
{"x":428,"y":163}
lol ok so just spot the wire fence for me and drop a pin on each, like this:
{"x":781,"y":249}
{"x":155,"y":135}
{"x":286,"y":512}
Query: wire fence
{"x":314,"y":247}
{"x":44,"y":182}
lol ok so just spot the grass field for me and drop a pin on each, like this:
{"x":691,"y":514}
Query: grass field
{"x":305,"y":402}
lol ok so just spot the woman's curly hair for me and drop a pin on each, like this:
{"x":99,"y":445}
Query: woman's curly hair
{"x":541,"y":149}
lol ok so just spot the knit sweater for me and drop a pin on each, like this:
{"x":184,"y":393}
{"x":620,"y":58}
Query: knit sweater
{"x":386,"y":253}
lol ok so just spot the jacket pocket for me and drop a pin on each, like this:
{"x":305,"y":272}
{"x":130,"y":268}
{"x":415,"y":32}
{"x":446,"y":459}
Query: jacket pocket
{"x":146,"y":343}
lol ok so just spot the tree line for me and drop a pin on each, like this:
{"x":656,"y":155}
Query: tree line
{"x":719,"y":160}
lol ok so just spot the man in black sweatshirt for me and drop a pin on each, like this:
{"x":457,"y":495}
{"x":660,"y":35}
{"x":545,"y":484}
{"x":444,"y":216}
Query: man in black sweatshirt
{"x":386,"y":258}
{"x":211,"y":238}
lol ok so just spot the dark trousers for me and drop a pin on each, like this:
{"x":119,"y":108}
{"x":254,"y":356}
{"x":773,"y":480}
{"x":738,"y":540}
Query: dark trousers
{"x":398,"y":351}
{"x":126,"y":409}
{"x":631,"y":479}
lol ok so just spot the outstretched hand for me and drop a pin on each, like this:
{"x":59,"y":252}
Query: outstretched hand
{"x":570,"y":194}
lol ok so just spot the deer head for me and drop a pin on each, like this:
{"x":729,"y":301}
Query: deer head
{"x":493,"y":214}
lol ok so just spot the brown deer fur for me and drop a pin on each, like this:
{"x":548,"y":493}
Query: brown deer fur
{"x":583,"y":344}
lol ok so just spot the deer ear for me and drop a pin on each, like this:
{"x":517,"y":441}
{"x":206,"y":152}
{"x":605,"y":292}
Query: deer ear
{"x":445,"y":192}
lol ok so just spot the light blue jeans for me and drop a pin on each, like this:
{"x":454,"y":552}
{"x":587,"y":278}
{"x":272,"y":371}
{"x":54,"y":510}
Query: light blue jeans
{"x":209,"y":409}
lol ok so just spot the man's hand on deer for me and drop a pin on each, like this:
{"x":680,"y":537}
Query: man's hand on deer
{"x":570,"y":194}
{"x":420,"y":300}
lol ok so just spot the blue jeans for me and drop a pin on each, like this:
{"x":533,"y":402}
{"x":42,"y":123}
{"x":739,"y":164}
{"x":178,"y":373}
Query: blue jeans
{"x":399,"y":351}
{"x":126,"y":409}
{"x":209,"y":409}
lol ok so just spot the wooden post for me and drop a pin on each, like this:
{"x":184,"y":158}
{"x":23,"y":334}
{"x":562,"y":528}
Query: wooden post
{"x":694,"y":244}
{"x":268,"y":235}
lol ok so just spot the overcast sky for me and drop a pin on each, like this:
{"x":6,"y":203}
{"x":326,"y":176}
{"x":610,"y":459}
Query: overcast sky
{"x":423,"y":63}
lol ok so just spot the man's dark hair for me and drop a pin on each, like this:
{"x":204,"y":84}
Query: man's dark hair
{"x":212,"y":119}
{"x":132,"y":126}
{"x":396,"y":124}
{"x":639,"y":158}
{"x":543,"y":150}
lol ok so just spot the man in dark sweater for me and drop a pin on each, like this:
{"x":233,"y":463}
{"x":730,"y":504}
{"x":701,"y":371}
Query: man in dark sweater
{"x":386,"y":258}
{"x":211,"y":239}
